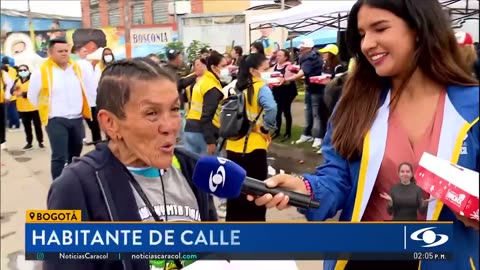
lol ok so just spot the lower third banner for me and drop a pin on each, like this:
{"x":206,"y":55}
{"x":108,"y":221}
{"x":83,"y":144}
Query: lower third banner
{"x":243,"y":239}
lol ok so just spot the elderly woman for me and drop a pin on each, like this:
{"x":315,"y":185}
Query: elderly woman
{"x":139,"y":172}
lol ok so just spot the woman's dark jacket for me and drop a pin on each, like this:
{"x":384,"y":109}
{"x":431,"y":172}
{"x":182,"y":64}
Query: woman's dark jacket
{"x":98,"y":185}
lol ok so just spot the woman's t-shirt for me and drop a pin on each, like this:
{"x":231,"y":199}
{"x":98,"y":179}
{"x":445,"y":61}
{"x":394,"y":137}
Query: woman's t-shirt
{"x":181,"y":205}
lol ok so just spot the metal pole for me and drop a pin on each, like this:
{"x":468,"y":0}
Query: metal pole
{"x":282,"y":7}
{"x":127,"y":26}
{"x":175,"y":11}
{"x":30,"y":24}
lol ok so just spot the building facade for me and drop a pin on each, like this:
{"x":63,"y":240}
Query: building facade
{"x":102,"y":13}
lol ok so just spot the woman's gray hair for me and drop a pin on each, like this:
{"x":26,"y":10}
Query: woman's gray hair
{"x":115,"y":86}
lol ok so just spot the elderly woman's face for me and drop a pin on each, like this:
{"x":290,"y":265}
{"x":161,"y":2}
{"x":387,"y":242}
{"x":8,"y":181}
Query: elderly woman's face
{"x":152,"y":122}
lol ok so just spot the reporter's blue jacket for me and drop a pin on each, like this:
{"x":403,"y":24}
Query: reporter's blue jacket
{"x":347,"y":185}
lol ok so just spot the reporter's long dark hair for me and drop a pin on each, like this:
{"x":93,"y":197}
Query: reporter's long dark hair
{"x":244,"y":77}
{"x":436,"y":54}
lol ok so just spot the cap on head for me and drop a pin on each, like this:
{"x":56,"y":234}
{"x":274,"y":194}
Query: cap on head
{"x":306,"y":43}
{"x":5,"y":61}
{"x":330,"y":48}
{"x":172,"y":53}
{"x":464,"y":38}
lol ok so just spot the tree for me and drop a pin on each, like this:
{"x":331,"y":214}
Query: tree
{"x":193,"y":50}
{"x":176,"y":45}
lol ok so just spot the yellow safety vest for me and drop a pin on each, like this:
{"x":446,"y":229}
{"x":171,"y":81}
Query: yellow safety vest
{"x":255,"y":140}
{"x":351,"y":65}
{"x":2,"y":90}
{"x":46,"y":71}
{"x":23,"y":104}
{"x":205,"y":84}
{"x":12,"y":73}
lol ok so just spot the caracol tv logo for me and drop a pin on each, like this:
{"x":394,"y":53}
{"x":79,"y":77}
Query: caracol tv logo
{"x":429,"y":237}
{"x":219,"y":177}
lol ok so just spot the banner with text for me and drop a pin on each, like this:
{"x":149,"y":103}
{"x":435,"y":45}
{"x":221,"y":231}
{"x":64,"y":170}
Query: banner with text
{"x":241,"y":238}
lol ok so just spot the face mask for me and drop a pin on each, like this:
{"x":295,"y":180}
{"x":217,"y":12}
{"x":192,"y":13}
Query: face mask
{"x":265,"y":76}
{"x":225,"y":76}
{"x":24,"y":74}
{"x":108,"y":58}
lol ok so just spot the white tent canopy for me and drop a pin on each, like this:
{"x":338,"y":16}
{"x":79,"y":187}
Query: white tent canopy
{"x":311,"y":15}
{"x":461,"y":4}
{"x":320,"y":13}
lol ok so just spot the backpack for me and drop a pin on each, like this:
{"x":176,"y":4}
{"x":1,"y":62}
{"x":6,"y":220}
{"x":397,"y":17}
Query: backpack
{"x":234,"y":122}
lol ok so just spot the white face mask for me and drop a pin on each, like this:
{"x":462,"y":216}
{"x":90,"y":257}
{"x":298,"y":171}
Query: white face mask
{"x":265,"y":76}
{"x":225,"y":75}
{"x":224,"y":72}
{"x":108,"y":58}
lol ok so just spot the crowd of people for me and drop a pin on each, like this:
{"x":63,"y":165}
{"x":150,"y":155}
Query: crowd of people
{"x":371,"y":120}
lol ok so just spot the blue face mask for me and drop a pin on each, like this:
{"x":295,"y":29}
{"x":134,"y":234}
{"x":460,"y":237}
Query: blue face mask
{"x":23,"y":74}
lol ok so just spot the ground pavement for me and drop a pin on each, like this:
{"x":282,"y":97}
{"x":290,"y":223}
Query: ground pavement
{"x":25,"y":180}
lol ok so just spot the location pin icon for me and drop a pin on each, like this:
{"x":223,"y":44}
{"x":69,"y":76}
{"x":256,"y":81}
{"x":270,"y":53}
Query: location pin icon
{"x":32,"y":215}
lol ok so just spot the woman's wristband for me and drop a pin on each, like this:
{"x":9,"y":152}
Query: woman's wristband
{"x":308,"y":186}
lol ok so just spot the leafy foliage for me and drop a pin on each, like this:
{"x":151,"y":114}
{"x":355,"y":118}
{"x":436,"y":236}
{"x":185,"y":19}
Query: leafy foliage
{"x":193,"y":50}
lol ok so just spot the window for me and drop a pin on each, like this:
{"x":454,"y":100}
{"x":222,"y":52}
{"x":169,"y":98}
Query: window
{"x":160,"y":11}
{"x":239,"y":19}
{"x":138,"y":11}
{"x":93,"y":3}
{"x":114,"y":14}
{"x":95,"y":19}
{"x":223,"y":20}
{"x":197,"y":21}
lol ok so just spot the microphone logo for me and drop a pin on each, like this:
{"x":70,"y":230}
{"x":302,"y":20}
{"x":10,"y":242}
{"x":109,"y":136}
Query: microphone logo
{"x":218,"y":178}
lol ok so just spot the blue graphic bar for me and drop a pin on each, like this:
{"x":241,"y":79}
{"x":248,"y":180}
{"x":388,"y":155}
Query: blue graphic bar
{"x":239,"y":237}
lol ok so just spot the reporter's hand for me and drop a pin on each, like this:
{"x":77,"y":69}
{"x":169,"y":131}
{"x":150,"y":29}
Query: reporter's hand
{"x":211,"y":149}
{"x":280,"y":201}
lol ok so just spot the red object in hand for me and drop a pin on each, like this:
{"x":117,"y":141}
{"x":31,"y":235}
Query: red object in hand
{"x":322,"y":79}
{"x":294,"y":68}
{"x":455,"y":186}
{"x":276,"y":74}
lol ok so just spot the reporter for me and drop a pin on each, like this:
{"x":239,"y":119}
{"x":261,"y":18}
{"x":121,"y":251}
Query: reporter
{"x":400,"y":101}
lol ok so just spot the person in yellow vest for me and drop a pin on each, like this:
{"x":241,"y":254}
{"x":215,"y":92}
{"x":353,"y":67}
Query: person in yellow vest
{"x":201,"y":128}
{"x":12,"y":114}
{"x":58,"y":91}
{"x":251,"y":153}
{"x":5,"y":83}
{"x":28,"y":113}
{"x":199,"y":65}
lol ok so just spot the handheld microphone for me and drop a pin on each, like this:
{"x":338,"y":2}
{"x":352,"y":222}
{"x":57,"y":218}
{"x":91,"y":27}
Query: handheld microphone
{"x":226,"y":179}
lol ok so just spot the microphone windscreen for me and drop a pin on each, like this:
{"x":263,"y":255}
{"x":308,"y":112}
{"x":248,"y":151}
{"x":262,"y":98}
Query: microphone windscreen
{"x":219,"y":176}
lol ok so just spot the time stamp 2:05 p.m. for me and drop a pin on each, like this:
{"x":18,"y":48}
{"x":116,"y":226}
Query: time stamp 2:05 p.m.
{"x":430,"y":255}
